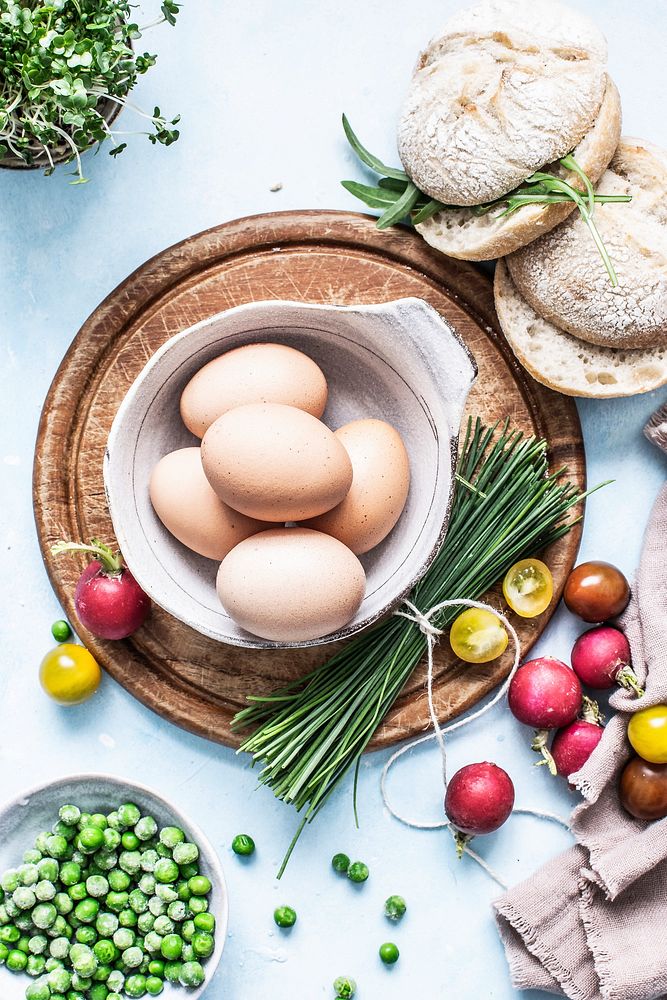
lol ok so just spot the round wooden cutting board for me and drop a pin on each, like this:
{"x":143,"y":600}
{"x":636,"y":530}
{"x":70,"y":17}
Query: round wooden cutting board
{"x":311,"y":256}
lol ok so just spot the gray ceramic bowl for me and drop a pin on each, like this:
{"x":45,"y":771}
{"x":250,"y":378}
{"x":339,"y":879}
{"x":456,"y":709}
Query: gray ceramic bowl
{"x":397,"y":361}
{"x":37,"y":809}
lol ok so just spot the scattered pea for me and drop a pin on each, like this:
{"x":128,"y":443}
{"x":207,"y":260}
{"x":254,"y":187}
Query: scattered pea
{"x":389,"y":953}
{"x":340,"y":863}
{"x":61,"y":631}
{"x":243,"y":845}
{"x":394,"y":908}
{"x":358,"y":871}
{"x":345,"y":988}
{"x":285,"y":916}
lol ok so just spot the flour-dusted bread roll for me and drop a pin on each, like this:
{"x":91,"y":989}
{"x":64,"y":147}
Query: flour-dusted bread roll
{"x":459,"y":232}
{"x":566,"y":363}
{"x":562,"y":275}
{"x":508,"y":87}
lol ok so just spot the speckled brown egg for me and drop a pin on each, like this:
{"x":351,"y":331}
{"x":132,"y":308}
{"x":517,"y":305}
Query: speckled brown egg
{"x":256,"y":373}
{"x":291,"y":584}
{"x":189,"y":508}
{"x":275,"y":462}
{"x":380,"y":484}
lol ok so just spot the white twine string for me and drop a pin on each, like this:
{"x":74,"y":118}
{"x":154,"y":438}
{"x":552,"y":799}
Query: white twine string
{"x":423,"y":620}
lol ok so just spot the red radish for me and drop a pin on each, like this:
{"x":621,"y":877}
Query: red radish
{"x":479,"y":798}
{"x":573,"y":745}
{"x":109,"y":602}
{"x":545,"y":693}
{"x":601,"y":659}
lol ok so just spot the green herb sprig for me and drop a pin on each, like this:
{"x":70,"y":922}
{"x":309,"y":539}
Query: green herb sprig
{"x":308,"y":735}
{"x":399,"y":198}
{"x":64,"y":65}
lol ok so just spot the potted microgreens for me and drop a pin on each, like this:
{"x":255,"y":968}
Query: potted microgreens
{"x":66,"y":68}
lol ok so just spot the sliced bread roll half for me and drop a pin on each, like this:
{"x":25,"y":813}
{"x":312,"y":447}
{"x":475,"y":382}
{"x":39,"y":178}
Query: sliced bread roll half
{"x":459,"y":232}
{"x":509,"y":86}
{"x":565,"y":363}
{"x":562,"y":275}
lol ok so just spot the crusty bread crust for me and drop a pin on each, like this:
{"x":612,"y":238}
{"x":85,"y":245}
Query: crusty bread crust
{"x":509,"y":86}
{"x":460,"y":233}
{"x":563,"y":278}
{"x":567,"y":364}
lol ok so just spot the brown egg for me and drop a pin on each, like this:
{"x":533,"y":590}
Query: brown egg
{"x":380,"y":484}
{"x":275,"y":462}
{"x":189,"y":508}
{"x":291,"y":584}
{"x":256,"y":373}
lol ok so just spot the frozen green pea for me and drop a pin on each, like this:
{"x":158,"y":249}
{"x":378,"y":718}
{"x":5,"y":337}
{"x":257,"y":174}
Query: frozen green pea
{"x":10,"y":880}
{"x":165,"y":892}
{"x":16,"y":960}
{"x":116,"y":901}
{"x":59,"y":980}
{"x":69,"y":815}
{"x":24,"y":898}
{"x":106,"y":860}
{"x":163,"y":925}
{"x":86,"y":935}
{"x":157,"y":906}
{"x":35,"y":965}
{"x":203,"y":944}
{"x":78,"y":891}
{"x":45,"y":891}
{"x":132,"y":958}
{"x":123,"y":938}
{"x":191,"y":975}
{"x":188,"y":953}
{"x":11,"y":907}
{"x":70,"y":873}
{"x":44,"y":915}
{"x":63,"y":903}
{"x":172,"y":971}
{"x":24,"y":921}
{"x":83,"y":960}
{"x":68,"y":832}
{"x":99,"y":820}
{"x":38,"y":991}
{"x":106,"y":924}
{"x":154,"y":986}
{"x":41,"y":842}
{"x":90,"y":839}
{"x":114,"y":996}
{"x":199,"y":885}
{"x":128,"y":815}
{"x":80,"y":982}
{"x":205,"y":922}
{"x":116,"y":980}
{"x":130,"y":862}
{"x":59,"y":948}
{"x":57,"y":846}
{"x":59,"y":928}
{"x":186,"y":853}
{"x":149,"y":859}
{"x":38,"y":944}
{"x":111,"y":838}
{"x":147,"y":884}
{"x":170,"y":836}
{"x":166,"y":870}
{"x":138,"y":901}
{"x":153,"y":942}
{"x":146,"y":828}
{"x":177,"y":910}
{"x":145,"y":922}
{"x":198,"y":904}
{"x":28,"y":874}
{"x":105,"y":951}
{"x":127,"y":918}
{"x":130,"y":841}
{"x":119,"y":880}
{"x":97,"y":886}
{"x":86,"y":911}
{"x":188,"y":930}
{"x":9,"y":934}
{"x":113,"y":820}
{"x":98,"y":991}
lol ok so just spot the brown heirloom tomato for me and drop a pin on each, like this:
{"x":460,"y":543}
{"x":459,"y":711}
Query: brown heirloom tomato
{"x":643,"y":789}
{"x":596,"y":591}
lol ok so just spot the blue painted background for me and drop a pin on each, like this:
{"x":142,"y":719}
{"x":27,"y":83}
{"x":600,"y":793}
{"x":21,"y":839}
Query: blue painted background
{"x":260,"y":86}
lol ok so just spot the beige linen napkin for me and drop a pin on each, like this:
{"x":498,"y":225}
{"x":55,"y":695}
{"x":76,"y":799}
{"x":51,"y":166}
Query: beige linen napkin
{"x":592,"y":923}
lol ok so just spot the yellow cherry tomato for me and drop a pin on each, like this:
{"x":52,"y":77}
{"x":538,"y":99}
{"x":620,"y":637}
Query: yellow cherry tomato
{"x":528,"y":587}
{"x":477,"y":636}
{"x":647,"y":731}
{"x":69,"y":674}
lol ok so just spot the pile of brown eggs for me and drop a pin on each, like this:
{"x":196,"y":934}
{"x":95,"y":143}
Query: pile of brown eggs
{"x":283,"y":503}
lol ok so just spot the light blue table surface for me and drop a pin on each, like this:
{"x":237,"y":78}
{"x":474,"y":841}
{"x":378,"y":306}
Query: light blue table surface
{"x":261,"y":86}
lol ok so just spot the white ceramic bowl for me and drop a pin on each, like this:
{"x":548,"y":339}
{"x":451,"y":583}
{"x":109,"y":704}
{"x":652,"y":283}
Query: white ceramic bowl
{"x":397,"y":361}
{"x":36,"y":810}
